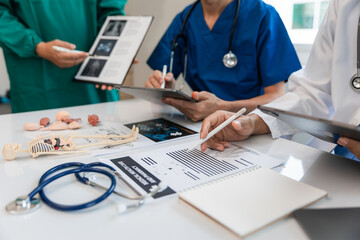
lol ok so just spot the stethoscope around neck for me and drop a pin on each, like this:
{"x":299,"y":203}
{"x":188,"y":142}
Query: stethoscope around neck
{"x":29,"y":202}
{"x":229,"y":59}
{"x":355,"y":80}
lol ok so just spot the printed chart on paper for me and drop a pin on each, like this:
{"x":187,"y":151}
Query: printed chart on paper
{"x":181,"y":170}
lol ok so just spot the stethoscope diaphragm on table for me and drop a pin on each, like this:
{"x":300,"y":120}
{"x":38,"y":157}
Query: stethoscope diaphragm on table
{"x":29,"y":203}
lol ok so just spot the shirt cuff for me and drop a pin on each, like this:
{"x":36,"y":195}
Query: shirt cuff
{"x":35,"y":40}
{"x":277,"y":127}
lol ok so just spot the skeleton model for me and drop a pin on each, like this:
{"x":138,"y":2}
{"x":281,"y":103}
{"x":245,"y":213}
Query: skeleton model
{"x":61,"y":144}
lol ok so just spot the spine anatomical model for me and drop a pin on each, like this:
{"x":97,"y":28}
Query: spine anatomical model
{"x":64,"y":144}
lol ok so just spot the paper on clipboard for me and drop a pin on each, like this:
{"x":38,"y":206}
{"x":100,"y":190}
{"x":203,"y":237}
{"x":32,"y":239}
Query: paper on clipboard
{"x":114,"y":50}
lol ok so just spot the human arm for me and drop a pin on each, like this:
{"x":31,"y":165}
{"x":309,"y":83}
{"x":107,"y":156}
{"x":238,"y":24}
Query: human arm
{"x":208,"y":103}
{"x":61,"y":59}
{"x":15,"y":36}
{"x":351,"y":144}
{"x":309,"y":89}
{"x":239,"y":129}
{"x":25,"y":42}
{"x":162,"y":52}
{"x":270,"y":93}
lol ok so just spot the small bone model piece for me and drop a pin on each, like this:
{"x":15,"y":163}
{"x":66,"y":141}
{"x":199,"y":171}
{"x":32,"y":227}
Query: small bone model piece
{"x":64,"y":144}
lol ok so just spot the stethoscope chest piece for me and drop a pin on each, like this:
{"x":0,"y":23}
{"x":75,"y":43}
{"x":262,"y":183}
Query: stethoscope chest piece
{"x":230,"y":60}
{"x":23,"y":205}
{"x":355,"y":83}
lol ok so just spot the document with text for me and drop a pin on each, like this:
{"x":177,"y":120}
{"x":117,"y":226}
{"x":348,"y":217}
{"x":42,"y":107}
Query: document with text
{"x":181,"y":170}
{"x":114,"y":50}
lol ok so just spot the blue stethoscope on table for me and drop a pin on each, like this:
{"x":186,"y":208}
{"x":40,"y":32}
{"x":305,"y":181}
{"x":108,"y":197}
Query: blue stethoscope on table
{"x":29,"y":202}
{"x":229,"y":59}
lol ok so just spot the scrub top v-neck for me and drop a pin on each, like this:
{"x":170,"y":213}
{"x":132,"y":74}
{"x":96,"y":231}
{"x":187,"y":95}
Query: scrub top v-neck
{"x":265,"y":53}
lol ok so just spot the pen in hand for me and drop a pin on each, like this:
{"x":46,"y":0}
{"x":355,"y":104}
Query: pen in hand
{"x":66,"y":50}
{"x":217,"y":129}
{"x":163,"y":76}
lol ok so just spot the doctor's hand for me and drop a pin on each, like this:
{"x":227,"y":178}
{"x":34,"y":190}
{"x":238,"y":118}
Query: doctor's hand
{"x":156,"y":79}
{"x":351,"y":144}
{"x":240,"y":129}
{"x":60,"y":59}
{"x":207,"y":104}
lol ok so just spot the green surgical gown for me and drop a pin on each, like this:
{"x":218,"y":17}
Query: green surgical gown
{"x":36,"y":83}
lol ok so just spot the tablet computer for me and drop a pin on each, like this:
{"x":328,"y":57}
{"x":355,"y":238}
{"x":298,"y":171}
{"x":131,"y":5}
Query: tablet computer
{"x":324,"y":129}
{"x":327,"y":224}
{"x":155,"y":94}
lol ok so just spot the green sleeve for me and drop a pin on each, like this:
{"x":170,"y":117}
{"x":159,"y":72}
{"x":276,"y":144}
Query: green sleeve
{"x":109,"y":7}
{"x":15,"y":35}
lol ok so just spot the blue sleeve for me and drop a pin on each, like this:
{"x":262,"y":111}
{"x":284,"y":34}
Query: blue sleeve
{"x":161,"y":54}
{"x":277,"y":57}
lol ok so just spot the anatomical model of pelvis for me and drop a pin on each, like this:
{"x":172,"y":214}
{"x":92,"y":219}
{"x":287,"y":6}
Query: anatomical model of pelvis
{"x":64,"y":144}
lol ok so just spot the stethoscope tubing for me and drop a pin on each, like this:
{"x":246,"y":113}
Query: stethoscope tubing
{"x":230,"y":54}
{"x":44,"y":181}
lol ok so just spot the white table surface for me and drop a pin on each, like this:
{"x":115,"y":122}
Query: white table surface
{"x":167,"y":218}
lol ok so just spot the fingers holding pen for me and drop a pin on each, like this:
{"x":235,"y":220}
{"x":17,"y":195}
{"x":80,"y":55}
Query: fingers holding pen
{"x":239,"y":129}
{"x":155,"y":80}
{"x":212,"y":121}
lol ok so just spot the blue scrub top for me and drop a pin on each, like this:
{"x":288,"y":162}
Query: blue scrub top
{"x":265,"y":53}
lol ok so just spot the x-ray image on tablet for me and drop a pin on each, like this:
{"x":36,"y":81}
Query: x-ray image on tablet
{"x":160,"y":129}
{"x":114,"y":28}
{"x":104,"y":47}
{"x":93,"y":67}
{"x":114,"y":50}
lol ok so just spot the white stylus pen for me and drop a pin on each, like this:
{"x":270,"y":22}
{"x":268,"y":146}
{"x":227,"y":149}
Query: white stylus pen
{"x":163,"y":75}
{"x":217,"y":129}
{"x":62,"y":49}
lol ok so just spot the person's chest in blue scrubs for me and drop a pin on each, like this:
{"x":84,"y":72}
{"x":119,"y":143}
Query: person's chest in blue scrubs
{"x":265,"y":53}
{"x":206,"y":49}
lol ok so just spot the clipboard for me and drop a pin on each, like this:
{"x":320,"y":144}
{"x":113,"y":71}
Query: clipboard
{"x":330,"y":223}
{"x":114,"y":50}
{"x":321,"y":128}
{"x":155,"y":95}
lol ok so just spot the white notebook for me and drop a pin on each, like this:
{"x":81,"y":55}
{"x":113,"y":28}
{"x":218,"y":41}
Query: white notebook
{"x":252,"y":199}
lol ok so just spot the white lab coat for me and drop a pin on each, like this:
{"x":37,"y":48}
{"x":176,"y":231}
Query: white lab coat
{"x":322,"y":88}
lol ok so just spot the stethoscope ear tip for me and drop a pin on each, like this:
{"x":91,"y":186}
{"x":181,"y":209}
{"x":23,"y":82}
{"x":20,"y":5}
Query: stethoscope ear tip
{"x":122,"y":208}
{"x":23,"y":204}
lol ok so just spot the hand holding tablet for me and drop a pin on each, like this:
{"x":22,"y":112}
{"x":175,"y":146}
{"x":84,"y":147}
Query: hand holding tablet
{"x":155,"y":95}
{"x":324,"y":129}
